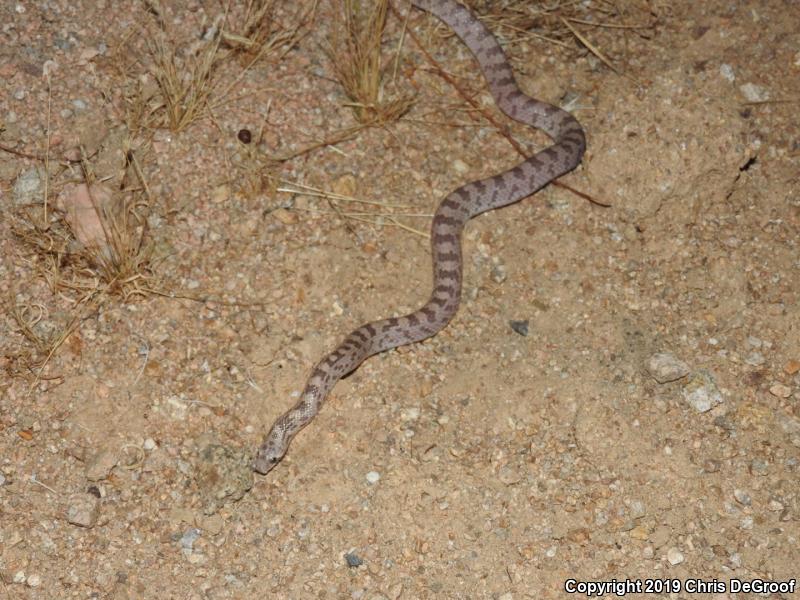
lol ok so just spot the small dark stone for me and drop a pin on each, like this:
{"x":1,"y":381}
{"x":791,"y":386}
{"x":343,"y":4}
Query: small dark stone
{"x":94,"y":491}
{"x":521,"y":327}
{"x":353,"y":560}
{"x":245,"y":136}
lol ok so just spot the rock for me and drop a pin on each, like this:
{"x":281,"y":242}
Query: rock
{"x":665,"y":367}
{"x":742,"y":497}
{"x":83,"y":510}
{"x":754,"y":93}
{"x":353,"y":560}
{"x":702,"y":392}
{"x":781,"y":391}
{"x":674,"y":556}
{"x":520,"y":327}
{"x":28,"y":187}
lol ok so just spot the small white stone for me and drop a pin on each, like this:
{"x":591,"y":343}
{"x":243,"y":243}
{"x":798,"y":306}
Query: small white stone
{"x":702,"y":392}
{"x":149,"y":444}
{"x":459,"y":166}
{"x":727,"y":72}
{"x":373,"y":477}
{"x":34,"y":580}
{"x":19,"y":577}
{"x":674,"y":556}
{"x":754,"y":93}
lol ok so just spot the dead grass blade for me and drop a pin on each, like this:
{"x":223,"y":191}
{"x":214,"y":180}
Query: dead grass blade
{"x":390,"y":217}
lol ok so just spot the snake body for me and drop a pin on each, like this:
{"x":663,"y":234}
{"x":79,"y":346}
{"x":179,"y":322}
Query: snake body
{"x":448,"y":222}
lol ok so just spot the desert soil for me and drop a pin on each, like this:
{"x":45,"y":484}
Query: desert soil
{"x":618,"y":397}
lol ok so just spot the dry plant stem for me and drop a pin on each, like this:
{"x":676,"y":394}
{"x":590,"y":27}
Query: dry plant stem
{"x":590,"y":46}
{"x":332,"y":198}
{"x":47,"y":155}
{"x":335,"y":138}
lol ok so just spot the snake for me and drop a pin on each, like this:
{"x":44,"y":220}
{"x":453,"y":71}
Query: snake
{"x":453,"y":212}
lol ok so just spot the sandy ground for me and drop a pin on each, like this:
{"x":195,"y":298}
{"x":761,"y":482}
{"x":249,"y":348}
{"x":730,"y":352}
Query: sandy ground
{"x":641,"y":423}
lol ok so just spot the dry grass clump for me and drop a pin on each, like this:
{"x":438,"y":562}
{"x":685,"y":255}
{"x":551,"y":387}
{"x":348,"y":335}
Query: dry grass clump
{"x":567,"y":22}
{"x":175,"y":83}
{"x":355,"y":53}
{"x":185,"y":81}
{"x":96,"y":242}
{"x":89,"y":246}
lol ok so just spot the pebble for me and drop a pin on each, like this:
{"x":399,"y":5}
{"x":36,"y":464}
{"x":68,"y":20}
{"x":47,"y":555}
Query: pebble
{"x":499,"y":273}
{"x":742,"y":497}
{"x":460,"y":167}
{"x":520,"y":327}
{"x":83,"y":510}
{"x":758,"y":467}
{"x":353,"y":560}
{"x":727,"y":72}
{"x":754,"y":93}
{"x":674,"y":556}
{"x":373,"y":477}
{"x":189,"y":537}
{"x":28,"y":186}
{"x":509,"y":475}
{"x":665,"y":367}
{"x":779,"y":390}
{"x":149,"y":444}
{"x":34,"y":580}
{"x":755,"y":359}
{"x":701,"y":392}
{"x":285,"y":216}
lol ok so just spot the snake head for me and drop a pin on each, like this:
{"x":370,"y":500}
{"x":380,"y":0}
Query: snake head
{"x":272,"y":450}
{"x":264,"y":461}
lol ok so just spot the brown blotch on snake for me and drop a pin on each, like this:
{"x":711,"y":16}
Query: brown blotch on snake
{"x":453,"y":212}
